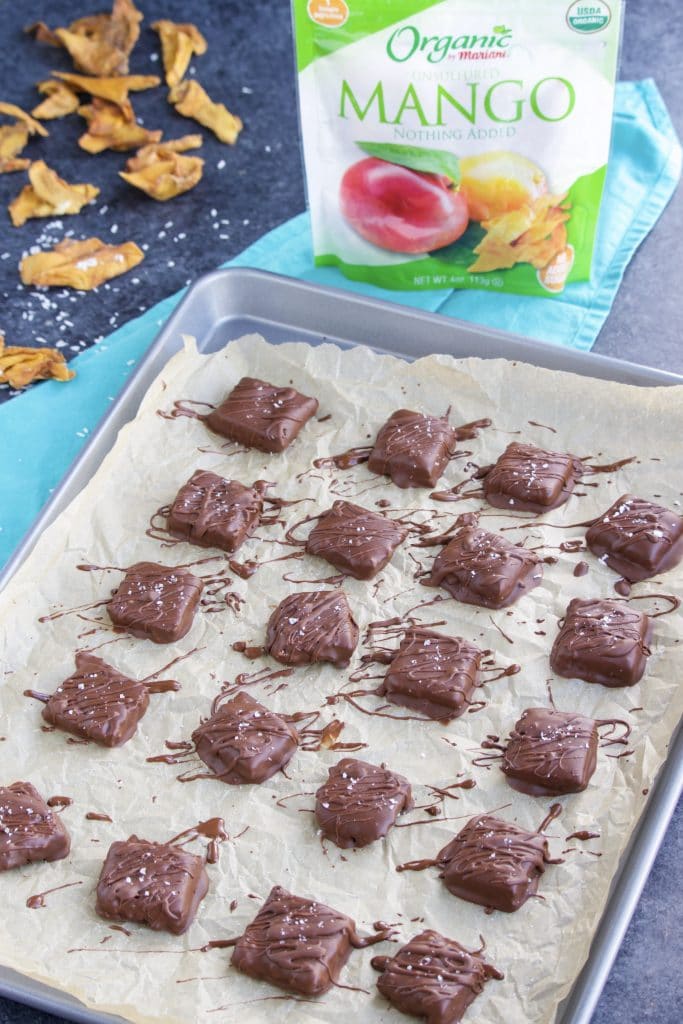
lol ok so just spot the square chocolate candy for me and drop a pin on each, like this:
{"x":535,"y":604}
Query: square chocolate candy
{"x":29,"y":830}
{"x":261,"y":415}
{"x":494,"y":863}
{"x":483,"y":568}
{"x":360,"y":802}
{"x":355,"y":540}
{"x":602,"y":642}
{"x":412,"y":449}
{"x":637,"y":538}
{"x":156,"y":884}
{"x":211,"y":511}
{"x":97,"y":703}
{"x":433,"y":977}
{"x":433,"y":674}
{"x":312,"y":626}
{"x":531,"y":479}
{"x":294,"y":943}
{"x":156,"y":602}
{"x":244,"y":742}
{"x":550,"y":753}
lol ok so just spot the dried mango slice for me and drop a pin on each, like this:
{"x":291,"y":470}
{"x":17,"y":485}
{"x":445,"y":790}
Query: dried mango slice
{"x":113,"y":89}
{"x":108,"y":128}
{"x":190,"y":100}
{"x":178,"y":45}
{"x":83,"y":265}
{"x":147,"y":154}
{"x":13,"y":138}
{"x":42,"y":33}
{"x":99,"y":44}
{"x":34,"y":127}
{"x":20,"y":366}
{"x":162,"y":172}
{"x":48,"y":196}
{"x":533,"y":234}
{"x":61,"y":100}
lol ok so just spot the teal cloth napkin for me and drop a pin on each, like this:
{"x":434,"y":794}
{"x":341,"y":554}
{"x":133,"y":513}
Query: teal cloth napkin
{"x":43,"y":430}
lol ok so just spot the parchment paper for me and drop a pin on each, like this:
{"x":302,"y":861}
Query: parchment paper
{"x":541,"y":947}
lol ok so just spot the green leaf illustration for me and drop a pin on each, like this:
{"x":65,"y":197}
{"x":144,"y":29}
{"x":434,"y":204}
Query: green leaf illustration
{"x":432,"y":161}
{"x":461,"y":253}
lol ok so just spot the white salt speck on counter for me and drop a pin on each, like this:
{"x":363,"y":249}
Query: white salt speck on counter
{"x":220,"y":165}
{"x":246,"y":90}
{"x":114,"y":228}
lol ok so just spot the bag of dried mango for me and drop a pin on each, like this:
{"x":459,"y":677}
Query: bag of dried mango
{"x":457,"y":143}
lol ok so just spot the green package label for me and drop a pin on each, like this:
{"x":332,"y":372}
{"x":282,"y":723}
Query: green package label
{"x":460,"y":143}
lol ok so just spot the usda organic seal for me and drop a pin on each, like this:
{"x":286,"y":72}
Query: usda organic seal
{"x":587,"y":16}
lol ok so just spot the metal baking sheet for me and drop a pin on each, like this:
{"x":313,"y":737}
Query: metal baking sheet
{"x":229,"y":303}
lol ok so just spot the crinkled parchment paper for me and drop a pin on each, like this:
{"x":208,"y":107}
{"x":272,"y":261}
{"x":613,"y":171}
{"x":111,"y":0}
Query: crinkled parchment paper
{"x":541,"y":947}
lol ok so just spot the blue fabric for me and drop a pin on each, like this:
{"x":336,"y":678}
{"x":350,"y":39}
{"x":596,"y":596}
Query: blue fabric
{"x":43,"y":430}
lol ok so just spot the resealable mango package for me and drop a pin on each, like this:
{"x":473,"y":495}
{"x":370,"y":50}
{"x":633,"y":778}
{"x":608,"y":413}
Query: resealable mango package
{"x":457,"y":143}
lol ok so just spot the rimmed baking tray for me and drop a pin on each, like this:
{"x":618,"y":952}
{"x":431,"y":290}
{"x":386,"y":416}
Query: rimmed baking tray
{"x":229,"y":303}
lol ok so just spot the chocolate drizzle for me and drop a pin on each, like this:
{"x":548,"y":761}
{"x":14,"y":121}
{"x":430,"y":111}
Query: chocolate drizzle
{"x":99,"y":703}
{"x":310,"y":627}
{"x":185,"y":407}
{"x":261,"y":415}
{"x":433,"y":977}
{"x":637,"y":538}
{"x":602,"y":642}
{"x":483,"y":568}
{"x":531,"y":479}
{"x":29,"y":830}
{"x":412,"y":448}
{"x":550,"y":753}
{"x":156,"y":602}
{"x":298,"y":944}
{"x":492,"y":862}
{"x":155,"y":884}
{"x":360,"y":802}
{"x":355,"y":540}
{"x":211,"y":511}
{"x":37,"y":901}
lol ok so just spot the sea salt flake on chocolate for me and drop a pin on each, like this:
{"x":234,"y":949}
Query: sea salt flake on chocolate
{"x":211,"y":511}
{"x":98,"y":703}
{"x":312,"y":626}
{"x":531,"y":479}
{"x":412,"y":448}
{"x":433,"y":977}
{"x":602,"y":642}
{"x":156,"y":602}
{"x":360,"y":802}
{"x":29,"y":830}
{"x":155,"y":884}
{"x":244,"y":742}
{"x":355,"y":540}
{"x":483,"y":568}
{"x":261,"y":415}
{"x":295,"y":943}
{"x":637,"y":538}
{"x":433,"y":674}
{"x":550,"y":753}
{"x":494,"y":863}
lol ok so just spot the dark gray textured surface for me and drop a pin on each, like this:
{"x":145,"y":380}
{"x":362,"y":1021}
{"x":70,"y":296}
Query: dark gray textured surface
{"x":260,"y":186}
